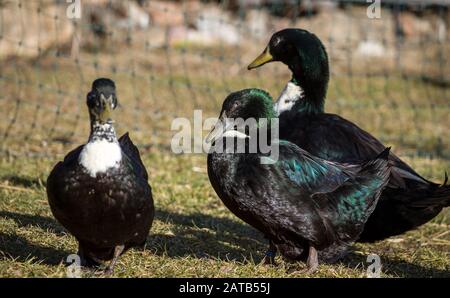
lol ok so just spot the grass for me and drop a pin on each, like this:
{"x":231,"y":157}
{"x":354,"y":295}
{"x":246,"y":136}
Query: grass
{"x":194,"y":235}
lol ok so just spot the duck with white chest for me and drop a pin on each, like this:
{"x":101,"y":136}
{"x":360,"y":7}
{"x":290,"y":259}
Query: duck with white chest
{"x":100,"y":192}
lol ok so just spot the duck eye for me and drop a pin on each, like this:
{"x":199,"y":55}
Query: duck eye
{"x":276,"y":41}
{"x":91,"y":99}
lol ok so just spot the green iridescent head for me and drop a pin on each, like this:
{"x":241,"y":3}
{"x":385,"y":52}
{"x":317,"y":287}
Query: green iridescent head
{"x":304,"y":54}
{"x":253,"y":106}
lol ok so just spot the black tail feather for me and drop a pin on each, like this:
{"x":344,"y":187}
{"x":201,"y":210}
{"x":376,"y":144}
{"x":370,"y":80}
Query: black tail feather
{"x":384,"y":154}
{"x":379,"y":163}
{"x":435,"y":196}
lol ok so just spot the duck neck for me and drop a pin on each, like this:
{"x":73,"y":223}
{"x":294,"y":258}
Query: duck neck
{"x":102,"y":131}
{"x":312,"y":98}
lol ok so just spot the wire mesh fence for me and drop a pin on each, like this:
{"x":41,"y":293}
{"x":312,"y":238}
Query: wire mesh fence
{"x":389,"y":71}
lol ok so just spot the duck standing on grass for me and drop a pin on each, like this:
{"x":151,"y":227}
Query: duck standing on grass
{"x":100,"y":192}
{"x":307,"y":207}
{"x":409,"y":200}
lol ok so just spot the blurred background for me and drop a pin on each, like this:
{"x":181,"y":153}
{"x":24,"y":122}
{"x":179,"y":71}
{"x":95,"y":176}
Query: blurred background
{"x":390,"y":75}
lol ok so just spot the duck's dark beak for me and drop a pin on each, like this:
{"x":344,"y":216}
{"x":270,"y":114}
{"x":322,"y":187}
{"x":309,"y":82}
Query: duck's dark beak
{"x":262,"y":59}
{"x":219,"y":129}
{"x":107,"y":104}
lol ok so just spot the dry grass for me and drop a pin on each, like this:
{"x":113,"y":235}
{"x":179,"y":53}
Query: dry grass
{"x":193,"y":235}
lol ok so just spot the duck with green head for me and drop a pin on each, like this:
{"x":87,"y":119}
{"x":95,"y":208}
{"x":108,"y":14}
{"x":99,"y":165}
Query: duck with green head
{"x":409,"y":200}
{"x":309,"y":209}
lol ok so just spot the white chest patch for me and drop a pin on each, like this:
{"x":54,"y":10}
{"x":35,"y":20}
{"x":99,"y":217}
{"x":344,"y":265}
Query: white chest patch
{"x":290,"y":95}
{"x":99,"y":156}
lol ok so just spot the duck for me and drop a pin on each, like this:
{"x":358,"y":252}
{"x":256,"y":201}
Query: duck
{"x":100,"y":192}
{"x":309,"y":209}
{"x":409,"y":200}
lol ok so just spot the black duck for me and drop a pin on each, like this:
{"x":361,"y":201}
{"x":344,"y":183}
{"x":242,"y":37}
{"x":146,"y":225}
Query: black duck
{"x":100,"y":192}
{"x":307,"y":207}
{"x":409,"y":200}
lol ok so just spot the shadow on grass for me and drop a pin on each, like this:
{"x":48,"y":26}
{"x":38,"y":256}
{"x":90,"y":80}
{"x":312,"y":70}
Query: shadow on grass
{"x":22,"y":181}
{"x":32,"y":220}
{"x":205,"y":236}
{"x":399,"y":268}
{"x":198,"y":235}
{"x":19,"y":248}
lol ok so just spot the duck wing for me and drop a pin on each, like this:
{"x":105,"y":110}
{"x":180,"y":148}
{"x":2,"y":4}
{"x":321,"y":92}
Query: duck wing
{"x":332,"y":137}
{"x":132,"y":152}
{"x":303,"y":197}
{"x":345,"y":194}
{"x":310,"y":173}
{"x":66,"y":164}
{"x":348,"y":207}
{"x":73,"y":155}
{"x":408,"y":200}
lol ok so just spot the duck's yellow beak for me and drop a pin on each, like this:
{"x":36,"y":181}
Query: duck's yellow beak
{"x":262,"y":59}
